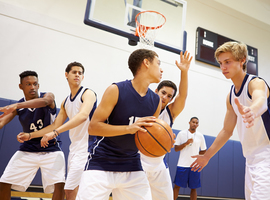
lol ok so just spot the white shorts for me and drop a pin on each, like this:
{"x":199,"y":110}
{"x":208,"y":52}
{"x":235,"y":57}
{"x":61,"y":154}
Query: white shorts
{"x":257,"y":183}
{"x":23,"y":166}
{"x":160,"y":184}
{"x":76,"y":165}
{"x":98,"y":185}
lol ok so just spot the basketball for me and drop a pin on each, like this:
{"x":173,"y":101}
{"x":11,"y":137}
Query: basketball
{"x":157,"y":141}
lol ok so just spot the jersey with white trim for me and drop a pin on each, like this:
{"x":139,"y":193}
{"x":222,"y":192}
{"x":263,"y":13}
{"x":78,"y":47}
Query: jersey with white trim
{"x":79,"y":137}
{"x":34,"y":119}
{"x":254,"y":140}
{"x":152,"y":164}
{"x":119,"y":153}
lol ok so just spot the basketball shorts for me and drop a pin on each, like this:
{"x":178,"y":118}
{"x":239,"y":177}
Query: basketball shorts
{"x":257,"y":182}
{"x":186,"y":178}
{"x":98,"y":185}
{"x":23,"y":166}
{"x":160,"y":184}
{"x":76,"y":165}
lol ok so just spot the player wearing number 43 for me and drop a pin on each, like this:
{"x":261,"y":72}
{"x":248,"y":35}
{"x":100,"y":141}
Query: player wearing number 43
{"x":247,"y":107}
{"x":79,"y":107}
{"x":36,"y":111}
{"x":156,"y":169}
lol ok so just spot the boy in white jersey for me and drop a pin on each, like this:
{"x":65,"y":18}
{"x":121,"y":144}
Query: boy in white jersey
{"x":36,"y":111}
{"x":248,"y":108}
{"x":156,"y":169}
{"x":78,"y":107}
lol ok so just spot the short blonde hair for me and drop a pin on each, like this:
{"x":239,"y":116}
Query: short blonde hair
{"x":238,"y":50}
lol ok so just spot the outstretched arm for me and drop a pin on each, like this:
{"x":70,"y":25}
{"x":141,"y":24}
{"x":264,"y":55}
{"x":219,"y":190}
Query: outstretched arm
{"x":46,"y":100}
{"x":223,"y":136}
{"x":179,"y":103}
{"x":98,"y":126}
{"x":259,"y":92}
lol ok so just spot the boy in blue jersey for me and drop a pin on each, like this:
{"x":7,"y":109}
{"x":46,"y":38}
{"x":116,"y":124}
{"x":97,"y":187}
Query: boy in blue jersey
{"x":114,"y":162}
{"x":248,"y":107}
{"x":79,"y":107}
{"x":36,"y":111}
{"x":156,"y":169}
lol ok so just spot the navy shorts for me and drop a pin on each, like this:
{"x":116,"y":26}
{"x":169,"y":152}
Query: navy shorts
{"x":186,"y":178}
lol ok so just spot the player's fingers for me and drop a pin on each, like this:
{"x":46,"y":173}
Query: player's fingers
{"x":239,"y":105}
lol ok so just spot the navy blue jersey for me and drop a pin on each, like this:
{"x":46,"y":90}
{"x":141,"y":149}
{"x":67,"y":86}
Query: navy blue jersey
{"x":119,"y":153}
{"x":34,"y":119}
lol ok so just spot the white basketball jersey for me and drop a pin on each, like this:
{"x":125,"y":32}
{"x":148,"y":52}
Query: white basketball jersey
{"x":79,"y":135}
{"x":152,"y":164}
{"x":254,"y":140}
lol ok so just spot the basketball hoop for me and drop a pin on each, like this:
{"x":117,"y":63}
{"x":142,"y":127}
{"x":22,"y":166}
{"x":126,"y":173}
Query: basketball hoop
{"x":147,"y":23}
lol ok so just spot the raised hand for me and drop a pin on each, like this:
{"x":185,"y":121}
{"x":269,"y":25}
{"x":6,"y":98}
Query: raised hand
{"x":246,"y":112}
{"x":184,"y":61}
{"x":200,"y":162}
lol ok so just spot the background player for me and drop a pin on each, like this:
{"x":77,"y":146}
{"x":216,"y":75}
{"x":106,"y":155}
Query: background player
{"x":114,"y":163}
{"x":156,"y":168}
{"x":78,"y":107}
{"x":36,"y":111}
{"x":190,"y":142}
{"x":248,"y":107}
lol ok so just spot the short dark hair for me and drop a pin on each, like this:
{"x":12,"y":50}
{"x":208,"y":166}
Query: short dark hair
{"x":136,"y":58}
{"x":73,"y":64}
{"x":167,"y":83}
{"x":27,"y":73}
{"x":194,"y":118}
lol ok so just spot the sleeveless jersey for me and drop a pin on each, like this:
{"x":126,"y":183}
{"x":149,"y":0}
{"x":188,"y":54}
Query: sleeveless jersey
{"x":79,"y":137}
{"x":119,"y":153}
{"x":34,"y":119}
{"x":254,"y":140}
{"x":157,"y":163}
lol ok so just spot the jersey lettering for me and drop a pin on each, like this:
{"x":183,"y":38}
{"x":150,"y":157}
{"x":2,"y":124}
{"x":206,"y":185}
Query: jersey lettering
{"x":38,"y":127}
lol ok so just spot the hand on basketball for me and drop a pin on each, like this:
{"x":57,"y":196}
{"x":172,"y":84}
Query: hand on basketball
{"x":184,"y":61}
{"x":7,"y":109}
{"x":200,"y":162}
{"x":247,"y":114}
{"x":138,"y":125}
{"x":21,"y":137}
{"x":44,"y":142}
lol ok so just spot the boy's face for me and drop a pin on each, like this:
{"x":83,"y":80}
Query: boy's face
{"x":228,"y":65}
{"x":75,"y":75}
{"x":156,"y":71}
{"x":166,"y":95}
{"x":29,"y":86}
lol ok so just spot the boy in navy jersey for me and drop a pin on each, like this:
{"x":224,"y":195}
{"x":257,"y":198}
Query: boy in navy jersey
{"x":248,"y":107}
{"x":36,"y":111}
{"x":114,"y":162}
{"x":79,"y":107}
{"x":156,"y":169}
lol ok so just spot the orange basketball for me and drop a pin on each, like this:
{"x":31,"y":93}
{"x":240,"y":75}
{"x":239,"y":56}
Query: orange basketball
{"x":157,"y":141}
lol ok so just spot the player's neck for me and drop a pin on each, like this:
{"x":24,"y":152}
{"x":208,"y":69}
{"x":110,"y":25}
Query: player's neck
{"x":74,"y":89}
{"x":140,"y":86}
{"x":238,"y":80}
{"x":191,"y":131}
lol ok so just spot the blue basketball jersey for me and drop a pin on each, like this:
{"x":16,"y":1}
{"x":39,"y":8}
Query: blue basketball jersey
{"x":34,"y":119}
{"x":119,"y":153}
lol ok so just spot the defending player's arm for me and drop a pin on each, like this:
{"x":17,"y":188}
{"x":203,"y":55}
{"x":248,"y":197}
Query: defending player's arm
{"x":46,"y":100}
{"x":179,"y":103}
{"x":89,"y":99}
{"x":7,"y":118}
{"x":97,"y":125}
{"x":259,"y":92}
{"x":223,"y":136}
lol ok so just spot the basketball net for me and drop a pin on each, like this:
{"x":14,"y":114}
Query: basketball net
{"x":147,"y":24}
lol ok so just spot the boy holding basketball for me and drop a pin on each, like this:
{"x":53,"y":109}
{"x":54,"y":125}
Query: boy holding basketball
{"x":79,"y":107}
{"x":247,"y":107}
{"x":156,"y":168}
{"x":114,"y":162}
{"x":36,"y":111}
